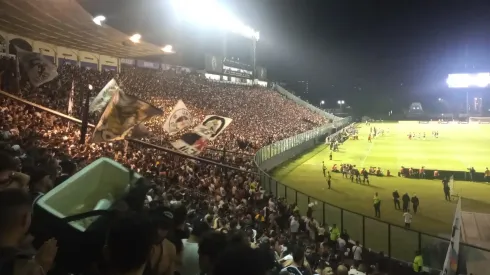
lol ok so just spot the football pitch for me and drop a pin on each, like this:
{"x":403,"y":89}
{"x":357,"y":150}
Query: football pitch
{"x":458,"y":147}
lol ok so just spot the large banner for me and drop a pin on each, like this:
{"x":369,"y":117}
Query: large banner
{"x":261,"y":73}
{"x":39,"y":69}
{"x":213,"y":64}
{"x":103,"y":97}
{"x":179,"y":119}
{"x":147,"y":64}
{"x":212,"y":126}
{"x":120,"y":116}
{"x":196,"y":141}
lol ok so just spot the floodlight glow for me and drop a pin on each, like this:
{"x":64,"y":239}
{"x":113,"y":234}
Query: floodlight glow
{"x":135,"y":38}
{"x":480,"y":80}
{"x":99,"y":19}
{"x":168,"y":49}
{"x":210,"y":13}
{"x":340,"y":102}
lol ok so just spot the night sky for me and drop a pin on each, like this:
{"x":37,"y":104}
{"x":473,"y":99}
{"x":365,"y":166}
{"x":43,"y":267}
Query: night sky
{"x":375,"y":55}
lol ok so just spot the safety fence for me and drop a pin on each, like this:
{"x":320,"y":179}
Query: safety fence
{"x":394,"y":241}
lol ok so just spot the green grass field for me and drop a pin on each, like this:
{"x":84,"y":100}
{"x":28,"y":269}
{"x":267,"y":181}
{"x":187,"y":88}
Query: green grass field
{"x":458,"y":147}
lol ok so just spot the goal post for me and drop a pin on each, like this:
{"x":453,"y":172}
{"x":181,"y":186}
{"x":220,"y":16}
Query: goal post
{"x":479,"y":120}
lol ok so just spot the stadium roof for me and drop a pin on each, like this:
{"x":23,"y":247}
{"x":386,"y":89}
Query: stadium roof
{"x":65,"y":23}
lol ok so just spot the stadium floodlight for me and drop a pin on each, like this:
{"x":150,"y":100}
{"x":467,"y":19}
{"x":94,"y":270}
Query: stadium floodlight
{"x":480,"y":80}
{"x":135,"y":38}
{"x":340,"y":102}
{"x":210,"y":13}
{"x":98,"y":20}
{"x":168,"y":49}
{"x":322,"y":102}
{"x":440,"y":99}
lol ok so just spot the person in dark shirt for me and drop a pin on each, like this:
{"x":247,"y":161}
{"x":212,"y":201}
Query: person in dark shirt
{"x":396,"y":199}
{"x":68,"y":169}
{"x":406,"y":201}
{"x":415,"y":203}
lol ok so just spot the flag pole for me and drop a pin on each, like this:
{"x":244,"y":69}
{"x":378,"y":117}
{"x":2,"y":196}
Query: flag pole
{"x":83,"y":131}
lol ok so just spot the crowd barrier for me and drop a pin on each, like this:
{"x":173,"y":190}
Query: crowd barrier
{"x":397,"y":242}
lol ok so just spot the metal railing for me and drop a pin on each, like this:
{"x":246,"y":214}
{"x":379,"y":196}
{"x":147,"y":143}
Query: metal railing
{"x":395,"y":241}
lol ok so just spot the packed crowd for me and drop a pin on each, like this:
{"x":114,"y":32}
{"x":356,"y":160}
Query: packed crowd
{"x":211,"y":219}
{"x":260,"y":115}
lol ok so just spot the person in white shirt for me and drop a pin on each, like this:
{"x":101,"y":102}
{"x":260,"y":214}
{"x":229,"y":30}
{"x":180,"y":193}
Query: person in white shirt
{"x":408,"y":218}
{"x":294,"y":227}
{"x":190,"y":257}
{"x":357,"y":252}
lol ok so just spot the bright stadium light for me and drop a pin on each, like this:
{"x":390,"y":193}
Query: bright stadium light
{"x":480,"y":80}
{"x":322,"y":102}
{"x":440,"y":99}
{"x":99,"y":19}
{"x":340,"y":102}
{"x":210,"y":13}
{"x":135,"y":38}
{"x":168,"y":49}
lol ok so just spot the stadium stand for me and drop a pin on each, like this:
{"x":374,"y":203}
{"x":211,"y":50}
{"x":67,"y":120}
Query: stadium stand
{"x":222,"y":211}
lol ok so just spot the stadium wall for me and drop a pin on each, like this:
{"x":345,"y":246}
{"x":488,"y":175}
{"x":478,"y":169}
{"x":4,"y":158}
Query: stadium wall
{"x":299,"y":101}
{"x":273,"y":155}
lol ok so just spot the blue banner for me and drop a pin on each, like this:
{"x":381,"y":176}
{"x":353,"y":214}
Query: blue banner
{"x":88,"y":65}
{"x":147,"y":64}
{"x":109,"y":68}
{"x":128,"y":61}
{"x":62,"y":61}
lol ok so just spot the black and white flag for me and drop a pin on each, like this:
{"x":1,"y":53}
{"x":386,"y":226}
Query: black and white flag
{"x":104,"y":96}
{"x":196,"y":141}
{"x":179,"y":119}
{"x":39,"y":69}
{"x":120,"y":116}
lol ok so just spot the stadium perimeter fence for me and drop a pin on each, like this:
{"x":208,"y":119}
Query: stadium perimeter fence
{"x":396,"y":242}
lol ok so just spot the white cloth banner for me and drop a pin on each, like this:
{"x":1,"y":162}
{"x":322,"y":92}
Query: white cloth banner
{"x":212,"y":126}
{"x":196,"y":141}
{"x":39,"y":69}
{"x":104,"y":96}
{"x":179,"y":119}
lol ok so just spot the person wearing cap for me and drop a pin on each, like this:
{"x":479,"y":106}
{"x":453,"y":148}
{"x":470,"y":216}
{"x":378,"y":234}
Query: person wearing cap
{"x":190,"y":256}
{"x":163,"y":255}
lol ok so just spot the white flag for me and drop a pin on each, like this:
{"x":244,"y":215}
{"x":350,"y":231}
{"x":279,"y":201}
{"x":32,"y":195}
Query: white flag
{"x":179,"y":119}
{"x":71,"y":98}
{"x":104,"y":96}
{"x":39,"y":69}
{"x":196,"y":141}
{"x":212,"y":126}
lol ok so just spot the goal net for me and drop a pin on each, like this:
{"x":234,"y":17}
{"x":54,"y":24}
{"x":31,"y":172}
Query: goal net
{"x":479,"y":120}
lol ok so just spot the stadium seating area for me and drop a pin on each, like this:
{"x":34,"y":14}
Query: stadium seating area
{"x":222,"y":211}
